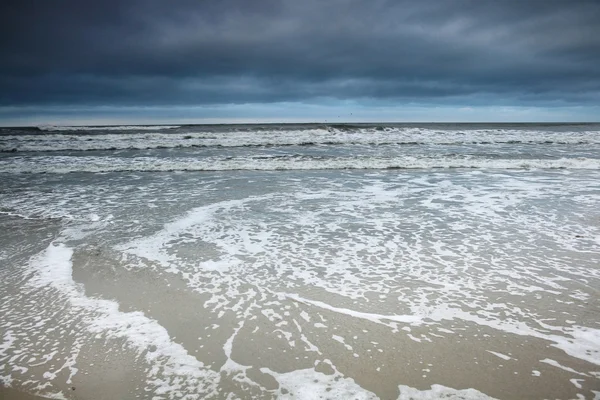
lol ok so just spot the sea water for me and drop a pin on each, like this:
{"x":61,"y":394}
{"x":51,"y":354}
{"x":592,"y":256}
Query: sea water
{"x":301,"y":261}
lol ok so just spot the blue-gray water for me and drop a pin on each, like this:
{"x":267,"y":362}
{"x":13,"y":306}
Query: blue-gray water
{"x":306,"y":147}
{"x":298,"y":261}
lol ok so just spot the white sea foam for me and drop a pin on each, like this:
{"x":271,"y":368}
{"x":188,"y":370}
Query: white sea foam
{"x":558,"y":365}
{"x":130,"y":137}
{"x":581,"y":342}
{"x":502,"y":356}
{"x":308,"y":384}
{"x":225,"y":225}
{"x":53,"y":267}
{"x":155,"y":247}
{"x":372,"y":317}
{"x":69,"y":164}
{"x":7,"y":343}
{"x":415,"y":252}
{"x":576,"y":382}
{"x":440,"y":392}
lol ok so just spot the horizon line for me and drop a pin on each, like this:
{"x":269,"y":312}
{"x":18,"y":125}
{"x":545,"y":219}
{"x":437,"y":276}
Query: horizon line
{"x":312,"y":123}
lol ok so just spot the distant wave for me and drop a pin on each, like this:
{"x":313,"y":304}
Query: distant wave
{"x":118,"y":139}
{"x":60,"y":128}
{"x":67,"y":164}
{"x":151,"y":146}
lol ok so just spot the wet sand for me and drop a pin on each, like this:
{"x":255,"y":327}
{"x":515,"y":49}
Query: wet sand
{"x":384,"y":302}
{"x":7,"y":393}
{"x":291,"y":335}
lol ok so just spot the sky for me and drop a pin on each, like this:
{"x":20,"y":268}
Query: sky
{"x":194,"y":61}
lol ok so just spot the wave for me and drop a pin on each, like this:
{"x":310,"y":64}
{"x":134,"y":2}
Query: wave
{"x":67,"y":164}
{"x":16,"y":214}
{"x":120,"y":140}
{"x":56,"y":147}
{"x":60,"y":128}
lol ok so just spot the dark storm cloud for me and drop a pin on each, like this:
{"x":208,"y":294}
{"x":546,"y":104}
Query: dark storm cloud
{"x":237,"y":51}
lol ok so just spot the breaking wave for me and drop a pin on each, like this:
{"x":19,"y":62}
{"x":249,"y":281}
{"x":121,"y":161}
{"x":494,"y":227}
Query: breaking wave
{"x":68,"y":164}
{"x":153,"y":137}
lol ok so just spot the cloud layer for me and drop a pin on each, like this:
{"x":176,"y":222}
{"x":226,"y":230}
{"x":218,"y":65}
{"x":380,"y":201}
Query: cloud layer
{"x":184,"y":53}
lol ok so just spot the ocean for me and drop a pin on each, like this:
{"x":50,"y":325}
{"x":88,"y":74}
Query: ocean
{"x":301,"y":261}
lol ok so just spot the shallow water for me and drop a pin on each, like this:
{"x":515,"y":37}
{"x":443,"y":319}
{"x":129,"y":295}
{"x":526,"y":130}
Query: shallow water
{"x":362,"y":283}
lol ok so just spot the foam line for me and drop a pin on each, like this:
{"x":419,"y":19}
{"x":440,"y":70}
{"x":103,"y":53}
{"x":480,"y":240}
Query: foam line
{"x":53,"y":267}
{"x":583,"y":344}
{"x":70,"y":164}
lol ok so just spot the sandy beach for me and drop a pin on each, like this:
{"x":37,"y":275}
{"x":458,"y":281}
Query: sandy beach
{"x":412,"y":283}
{"x":12,"y":394}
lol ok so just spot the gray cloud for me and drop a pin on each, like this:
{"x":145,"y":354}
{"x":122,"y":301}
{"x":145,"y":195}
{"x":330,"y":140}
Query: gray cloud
{"x":235,"y":51}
